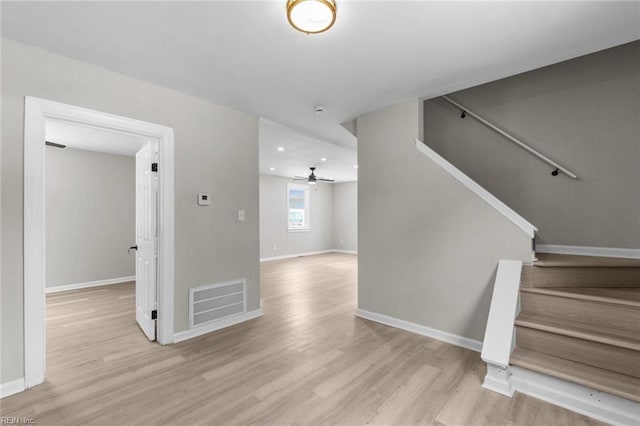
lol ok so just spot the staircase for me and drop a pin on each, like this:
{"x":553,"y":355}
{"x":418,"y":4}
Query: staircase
{"x":580,"y":321}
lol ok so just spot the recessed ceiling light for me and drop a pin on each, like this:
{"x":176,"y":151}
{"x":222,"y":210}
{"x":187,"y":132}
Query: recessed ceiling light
{"x":280,"y":148}
{"x":272,"y":168}
{"x":323,"y":159}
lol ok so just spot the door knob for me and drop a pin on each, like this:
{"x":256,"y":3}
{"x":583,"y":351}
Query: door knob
{"x":132,"y":248}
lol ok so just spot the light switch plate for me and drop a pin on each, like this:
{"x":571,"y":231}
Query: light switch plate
{"x":241,"y":215}
{"x":204,"y":199}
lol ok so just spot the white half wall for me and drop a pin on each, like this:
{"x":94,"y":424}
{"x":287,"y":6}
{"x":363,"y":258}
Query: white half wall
{"x":90,"y":216}
{"x":428,"y":247}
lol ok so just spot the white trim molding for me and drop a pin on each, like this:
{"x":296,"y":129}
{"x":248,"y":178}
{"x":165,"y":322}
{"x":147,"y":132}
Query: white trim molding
{"x":625,"y":253}
{"x":306,"y":190}
{"x":486,"y":196}
{"x":581,"y":399}
{"x":346,"y":251}
{"x":308,"y":253}
{"x":13,"y":387}
{"x":98,"y":283}
{"x":423,"y":330}
{"x":217,"y":325}
{"x":37,"y":113}
{"x":293,"y":255}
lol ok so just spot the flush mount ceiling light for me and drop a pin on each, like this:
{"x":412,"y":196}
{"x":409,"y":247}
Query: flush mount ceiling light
{"x":311,"y":16}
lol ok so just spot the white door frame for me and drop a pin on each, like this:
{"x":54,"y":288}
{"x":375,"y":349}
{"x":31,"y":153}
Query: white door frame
{"x":37,"y":112}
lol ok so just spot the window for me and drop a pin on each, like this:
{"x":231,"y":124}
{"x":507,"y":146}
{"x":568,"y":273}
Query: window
{"x":298,"y":207}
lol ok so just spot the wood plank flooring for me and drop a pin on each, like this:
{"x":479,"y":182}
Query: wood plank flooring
{"x":308,"y":360}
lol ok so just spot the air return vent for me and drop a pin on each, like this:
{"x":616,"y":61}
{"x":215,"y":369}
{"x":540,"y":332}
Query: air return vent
{"x":216,"y":301}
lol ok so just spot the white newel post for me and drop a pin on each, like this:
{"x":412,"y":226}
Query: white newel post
{"x":499,"y":334}
{"x":499,"y":379}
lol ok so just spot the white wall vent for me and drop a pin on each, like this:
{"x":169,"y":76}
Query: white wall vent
{"x":214,"y":302}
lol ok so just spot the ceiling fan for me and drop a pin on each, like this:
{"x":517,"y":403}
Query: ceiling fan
{"x":312,"y":178}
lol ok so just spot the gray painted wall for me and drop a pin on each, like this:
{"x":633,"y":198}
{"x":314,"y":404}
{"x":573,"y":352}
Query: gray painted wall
{"x":428,"y":248}
{"x":345,"y":216}
{"x":212,"y":142}
{"x":273,"y":219}
{"x":90,"y":216}
{"x":583,"y":113}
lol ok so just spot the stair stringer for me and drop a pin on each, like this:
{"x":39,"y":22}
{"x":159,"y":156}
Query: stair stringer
{"x":581,"y":399}
{"x":472,"y":185}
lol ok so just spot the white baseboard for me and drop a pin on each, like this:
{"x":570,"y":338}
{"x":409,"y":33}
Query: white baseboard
{"x":589,"y":251}
{"x":307,"y":253}
{"x":454,"y":339}
{"x":67,"y":287}
{"x":345,"y":251}
{"x":598,"y":405}
{"x":10,"y":388}
{"x":291,"y":256}
{"x":217,"y":325}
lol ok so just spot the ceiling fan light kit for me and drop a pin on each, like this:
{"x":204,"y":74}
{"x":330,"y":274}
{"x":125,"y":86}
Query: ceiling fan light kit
{"x":311,"y":16}
{"x":312,"y":178}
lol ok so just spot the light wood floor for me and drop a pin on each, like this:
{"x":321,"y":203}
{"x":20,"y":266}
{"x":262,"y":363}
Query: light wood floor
{"x":308,"y":360}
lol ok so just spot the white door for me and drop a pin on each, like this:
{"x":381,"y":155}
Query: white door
{"x":146,"y":237}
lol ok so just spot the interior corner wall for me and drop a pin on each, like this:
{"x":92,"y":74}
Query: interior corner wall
{"x":345,"y":216}
{"x":275,"y":239}
{"x":90,"y":216}
{"x":428,"y":247}
{"x":212,"y":142}
{"x":583,"y":113}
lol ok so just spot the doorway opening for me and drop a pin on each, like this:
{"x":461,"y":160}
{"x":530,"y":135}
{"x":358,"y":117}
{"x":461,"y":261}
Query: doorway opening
{"x":154,"y":218}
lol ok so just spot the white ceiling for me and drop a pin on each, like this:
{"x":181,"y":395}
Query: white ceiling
{"x":93,"y":139}
{"x":301,"y":152}
{"x":245,"y":55}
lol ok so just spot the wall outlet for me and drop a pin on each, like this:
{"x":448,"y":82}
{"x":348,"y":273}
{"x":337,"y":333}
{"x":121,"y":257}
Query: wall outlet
{"x":275,"y":247}
{"x":241,"y":215}
{"x":341,"y":242}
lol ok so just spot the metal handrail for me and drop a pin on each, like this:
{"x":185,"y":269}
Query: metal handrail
{"x":513,"y":139}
